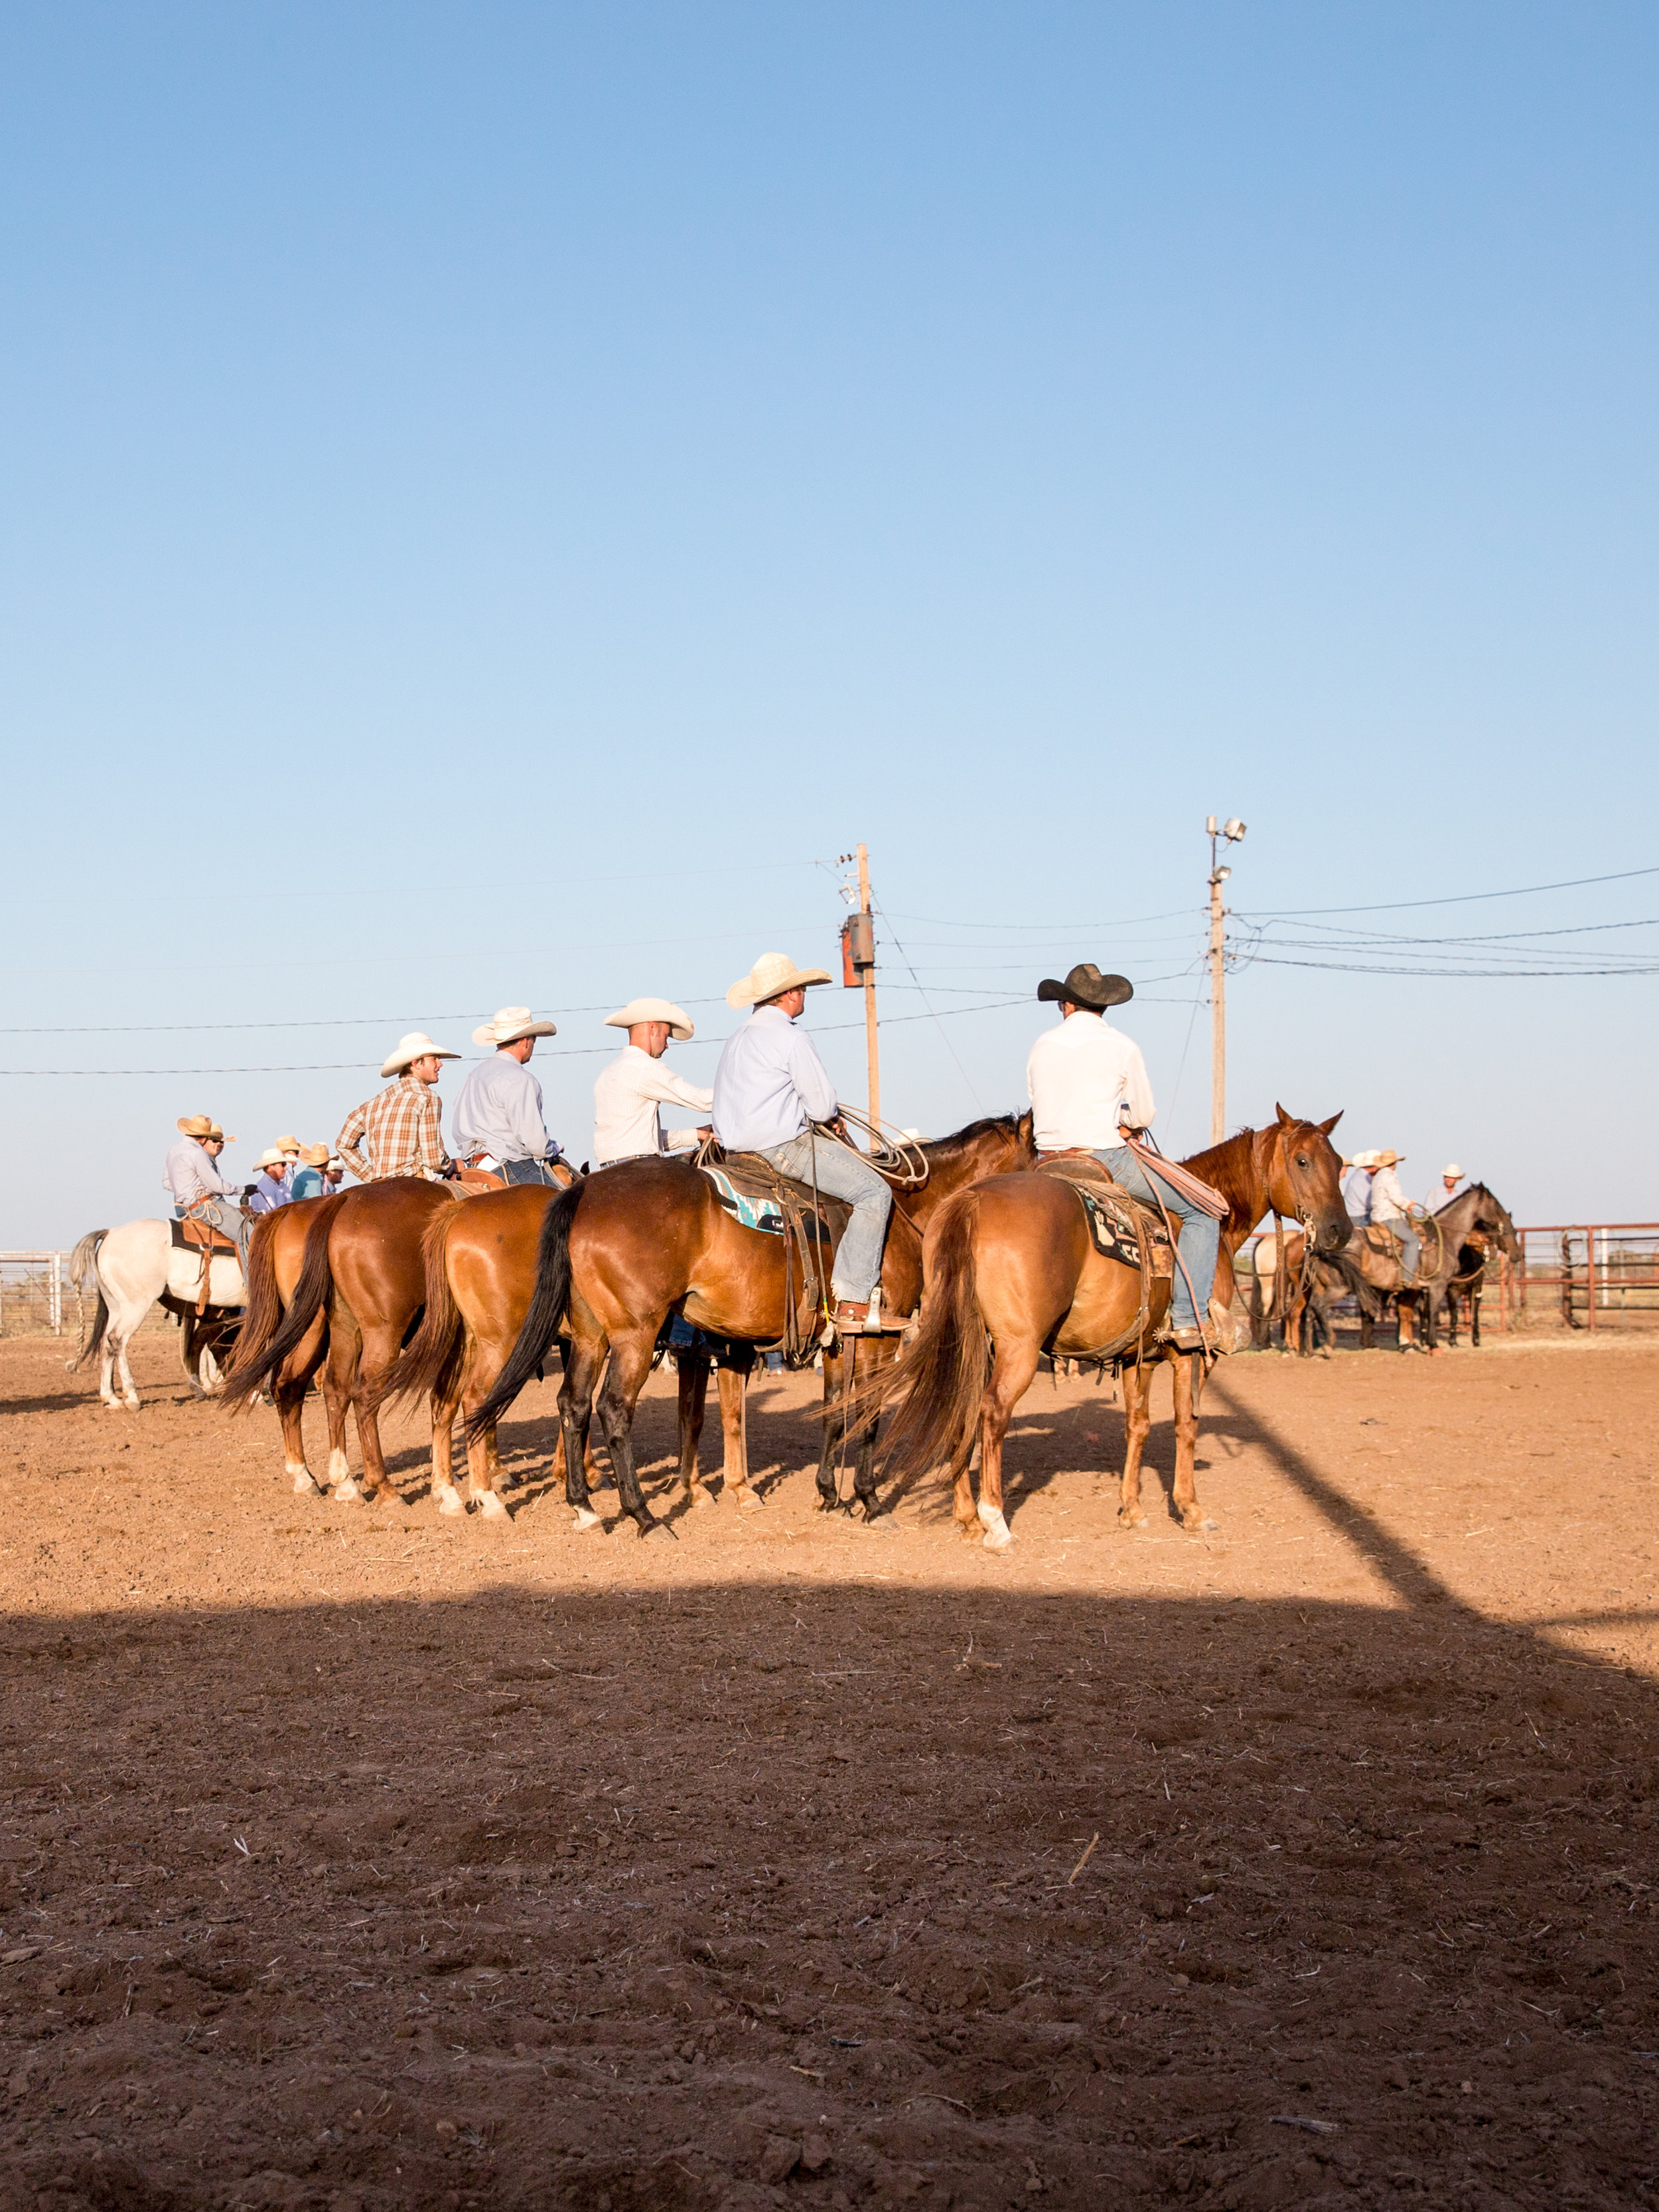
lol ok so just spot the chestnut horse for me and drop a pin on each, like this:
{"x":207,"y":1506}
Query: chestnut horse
{"x":337,"y":1283}
{"x":1012,"y":1273}
{"x":609,"y":1260}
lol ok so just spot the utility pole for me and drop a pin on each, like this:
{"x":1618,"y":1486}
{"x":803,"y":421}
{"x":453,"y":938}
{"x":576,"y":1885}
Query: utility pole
{"x":1233,"y":831}
{"x":858,"y":965}
{"x":872,"y":1048}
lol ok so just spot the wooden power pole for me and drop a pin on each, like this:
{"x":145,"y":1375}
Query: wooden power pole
{"x":872,"y":1046}
{"x":1233,"y":831}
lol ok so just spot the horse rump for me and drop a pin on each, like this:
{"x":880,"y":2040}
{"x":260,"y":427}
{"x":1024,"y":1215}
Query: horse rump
{"x":84,"y":1274}
{"x":269,"y":1334}
{"x":550,"y":1302}
{"x":429,"y":1365}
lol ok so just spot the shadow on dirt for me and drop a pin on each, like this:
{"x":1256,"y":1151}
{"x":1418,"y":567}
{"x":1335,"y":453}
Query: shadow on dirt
{"x":826,"y":1893}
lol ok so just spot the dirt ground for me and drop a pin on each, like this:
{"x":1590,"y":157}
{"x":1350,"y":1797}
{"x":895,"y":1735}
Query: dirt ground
{"x":351,"y":1859}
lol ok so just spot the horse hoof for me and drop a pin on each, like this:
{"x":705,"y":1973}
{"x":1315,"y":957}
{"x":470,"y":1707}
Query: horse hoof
{"x":1136,"y":1520}
{"x":826,"y":1501}
{"x":749,"y":1501}
{"x":857,"y":1510}
{"x":658,"y":1532}
{"x":305,"y":1483}
{"x":700,"y":1496}
{"x":490,"y":1508}
{"x":449,"y":1503}
{"x":582,"y":1519}
{"x":348,"y":1493}
{"x":1196,"y":1523}
{"x":998,"y":1539}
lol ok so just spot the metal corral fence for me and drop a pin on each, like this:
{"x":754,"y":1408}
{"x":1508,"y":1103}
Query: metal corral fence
{"x":1580,"y":1275}
{"x":32,"y":1292}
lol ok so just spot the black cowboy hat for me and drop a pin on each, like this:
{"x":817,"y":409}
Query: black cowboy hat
{"x":1086,"y":987}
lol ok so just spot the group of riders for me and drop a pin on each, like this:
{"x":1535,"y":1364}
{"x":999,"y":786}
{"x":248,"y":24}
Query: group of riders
{"x":771,"y":1095}
{"x":1371,"y":1192}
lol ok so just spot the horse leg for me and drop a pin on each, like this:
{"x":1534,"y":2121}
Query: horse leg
{"x":733,"y":1383}
{"x":581,"y":1368}
{"x":1474,"y":1318}
{"x":629,"y":1364}
{"x":1011,"y":1379}
{"x":694,"y":1403}
{"x":833,"y":1438}
{"x":1137,"y":1423}
{"x":1188,"y":1387}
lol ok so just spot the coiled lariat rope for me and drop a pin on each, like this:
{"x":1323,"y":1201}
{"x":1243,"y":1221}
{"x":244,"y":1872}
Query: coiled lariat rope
{"x":896,"y":1158}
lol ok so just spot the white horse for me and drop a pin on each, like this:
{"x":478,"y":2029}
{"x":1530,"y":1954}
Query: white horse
{"x":132,"y":1266}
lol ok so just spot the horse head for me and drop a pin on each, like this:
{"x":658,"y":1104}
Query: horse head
{"x":1493,"y":1215}
{"x":1304,"y":1180}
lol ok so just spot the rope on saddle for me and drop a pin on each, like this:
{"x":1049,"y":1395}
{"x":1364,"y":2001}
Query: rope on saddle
{"x":897,"y":1159}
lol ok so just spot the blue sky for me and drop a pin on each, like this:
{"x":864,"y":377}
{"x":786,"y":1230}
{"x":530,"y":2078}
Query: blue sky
{"x":492,"y":496}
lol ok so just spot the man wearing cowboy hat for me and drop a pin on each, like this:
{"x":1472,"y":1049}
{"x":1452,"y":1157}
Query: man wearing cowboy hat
{"x":769,"y":1087}
{"x":271,"y":1189}
{"x":1356,"y":1187}
{"x":1088,"y":1087}
{"x":1451,"y":1187}
{"x":1392,"y":1208}
{"x":309,"y":1181}
{"x":191,"y":1176}
{"x":626,"y":1123}
{"x":499,"y":1111}
{"x":401,"y":1124}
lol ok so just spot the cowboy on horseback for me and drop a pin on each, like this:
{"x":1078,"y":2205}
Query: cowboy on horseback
{"x":498,"y":1114}
{"x":626,"y":1097}
{"x":1090,"y":1092}
{"x":199,"y":1191}
{"x":770,"y":1090}
{"x":1391,"y":1210}
{"x":402,"y":1124}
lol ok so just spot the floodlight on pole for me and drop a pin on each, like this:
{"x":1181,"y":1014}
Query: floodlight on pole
{"x":1232,"y":829}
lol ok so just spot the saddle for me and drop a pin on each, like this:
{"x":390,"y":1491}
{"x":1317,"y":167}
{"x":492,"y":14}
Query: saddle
{"x":758,"y":1197}
{"x":192,"y":1235}
{"x":1381,"y":1240}
{"x":1121,"y":1228}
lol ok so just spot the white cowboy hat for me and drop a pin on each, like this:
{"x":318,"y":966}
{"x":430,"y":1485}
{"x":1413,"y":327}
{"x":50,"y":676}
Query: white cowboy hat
{"x":1363,"y":1160}
{"x":270,"y":1157}
{"x":415,"y":1046}
{"x":1451,"y":1168}
{"x":772,"y":975}
{"x":651,"y":1010}
{"x":509,"y":1025}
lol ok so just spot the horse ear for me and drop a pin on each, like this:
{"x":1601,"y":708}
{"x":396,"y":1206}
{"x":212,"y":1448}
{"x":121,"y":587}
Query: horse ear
{"x":1286,"y":1121}
{"x":1325,"y":1128}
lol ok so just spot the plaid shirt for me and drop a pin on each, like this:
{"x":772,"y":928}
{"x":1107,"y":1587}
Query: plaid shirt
{"x":404,"y":1130}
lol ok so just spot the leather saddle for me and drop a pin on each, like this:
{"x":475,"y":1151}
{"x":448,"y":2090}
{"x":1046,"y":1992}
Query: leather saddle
{"x":1121,"y":1229}
{"x":192,"y":1235}
{"x":757,"y":1196}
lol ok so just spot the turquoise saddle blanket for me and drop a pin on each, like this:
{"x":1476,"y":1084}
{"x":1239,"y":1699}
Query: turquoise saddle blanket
{"x":763,"y":1213}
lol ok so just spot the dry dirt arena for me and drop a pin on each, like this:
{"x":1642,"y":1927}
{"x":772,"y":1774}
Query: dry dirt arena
{"x":354,"y":1859}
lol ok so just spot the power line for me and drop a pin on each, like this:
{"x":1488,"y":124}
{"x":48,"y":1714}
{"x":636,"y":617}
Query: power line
{"x":1462,"y":898}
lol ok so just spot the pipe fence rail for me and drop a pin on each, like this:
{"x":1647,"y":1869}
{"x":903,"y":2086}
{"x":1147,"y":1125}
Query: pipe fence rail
{"x":32,"y":1293}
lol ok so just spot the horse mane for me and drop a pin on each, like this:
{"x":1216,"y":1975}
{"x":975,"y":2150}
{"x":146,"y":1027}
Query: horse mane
{"x":1229,"y":1167}
{"x":1008,"y":1124}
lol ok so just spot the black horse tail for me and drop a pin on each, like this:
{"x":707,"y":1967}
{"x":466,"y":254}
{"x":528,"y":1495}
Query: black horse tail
{"x":269,"y":1334}
{"x":1369,"y":1297}
{"x":550,"y":1302}
{"x":940,"y":1379}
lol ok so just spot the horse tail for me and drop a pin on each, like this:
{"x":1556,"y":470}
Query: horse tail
{"x":83,"y":1263}
{"x":940,"y":1379}
{"x":429,"y":1365}
{"x":550,"y":1302}
{"x":1366,"y":1295}
{"x":267,"y":1335}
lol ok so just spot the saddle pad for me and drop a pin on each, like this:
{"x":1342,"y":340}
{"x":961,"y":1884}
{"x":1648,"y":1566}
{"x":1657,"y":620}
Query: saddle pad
{"x":746,"y":1206}
{"x":1113,"y":1226}
{"x":190,"y":1236}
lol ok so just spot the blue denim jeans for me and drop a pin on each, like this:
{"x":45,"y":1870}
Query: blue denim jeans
{"x":1198,"y":1233}
{"x":1411,"y":1242}
{"x":530,"y":1171}
{"x":841,"y":1174}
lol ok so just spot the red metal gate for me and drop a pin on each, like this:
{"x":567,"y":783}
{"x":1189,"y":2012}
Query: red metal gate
{"x":1598,"y":1275}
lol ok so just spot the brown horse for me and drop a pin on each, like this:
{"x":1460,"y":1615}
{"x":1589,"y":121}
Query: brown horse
{"x":611,"y":1260}
{"x":1012,"y":1273}
{"x":337,"y":1283}
{"x":1370,"y":1269}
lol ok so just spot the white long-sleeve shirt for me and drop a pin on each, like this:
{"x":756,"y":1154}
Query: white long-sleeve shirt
{"x":769,"y":1083}
{"x":1389,"y":1200}
{"x":1084,"y":1080}
{"x":190,"y":1174}
{"x":625,"y":1101}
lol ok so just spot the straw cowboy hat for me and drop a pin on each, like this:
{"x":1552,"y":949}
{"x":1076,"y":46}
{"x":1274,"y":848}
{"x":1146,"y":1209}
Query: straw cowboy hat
{"x":270,"y":1157}
{"x":200,"y":1126}
{"x":653,"y":1010}
{"x":290,"y":1145}
{"x":1086,"y":987}
{"x":772,"y":975}
{"x":314,"y":1155}
{"x":509,"y":1025}
{"x":1385,"y":1159}
{"x":415,"y":1046}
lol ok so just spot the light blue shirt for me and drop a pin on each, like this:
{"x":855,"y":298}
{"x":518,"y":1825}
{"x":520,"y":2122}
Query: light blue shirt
{"x":308,"y":1183}
{"x":769,"y":1084}
{"x":190,"y":1174}
{"x":269,"y":1192}
{"x":499,"y":1111}
{"x":1356,"y":1193}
